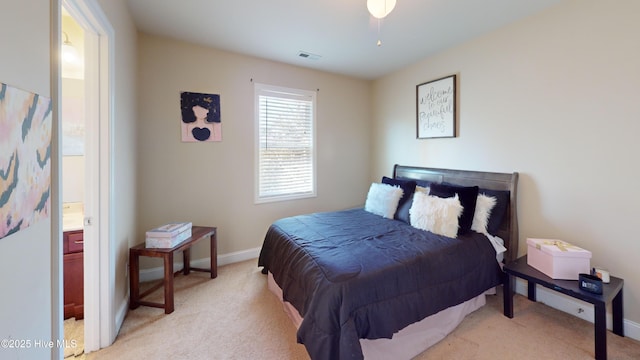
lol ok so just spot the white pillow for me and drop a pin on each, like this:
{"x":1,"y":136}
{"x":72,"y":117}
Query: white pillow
{"x":383,"y":199}
{"x":423,"y":189}
{"x":435,"y":214}
{"x":484,"y":205}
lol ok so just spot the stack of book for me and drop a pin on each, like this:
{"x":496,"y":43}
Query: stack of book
{"x":168,"y":236}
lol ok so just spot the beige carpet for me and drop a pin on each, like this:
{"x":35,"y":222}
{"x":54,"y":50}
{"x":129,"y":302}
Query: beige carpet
{"x":74,"y":339}
{"x":236,"y":317}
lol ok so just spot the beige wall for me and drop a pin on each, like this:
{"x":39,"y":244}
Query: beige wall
{"x":25,"y":257}
{"x":554,"y":97}
{"x":212,"y":183}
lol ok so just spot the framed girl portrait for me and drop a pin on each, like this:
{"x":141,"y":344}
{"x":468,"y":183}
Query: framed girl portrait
{"x":200,"y":117}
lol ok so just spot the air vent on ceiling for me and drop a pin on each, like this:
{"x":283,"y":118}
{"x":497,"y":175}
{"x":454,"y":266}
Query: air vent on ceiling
{"x":308,"y":55}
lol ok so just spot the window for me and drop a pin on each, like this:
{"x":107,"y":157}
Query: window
{"x":285,"y":153}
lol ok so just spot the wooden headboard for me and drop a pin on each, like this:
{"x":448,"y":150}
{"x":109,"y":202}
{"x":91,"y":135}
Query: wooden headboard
{"x":508,"y":230}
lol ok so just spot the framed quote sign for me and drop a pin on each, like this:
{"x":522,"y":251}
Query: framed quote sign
{"x":436,"y":108}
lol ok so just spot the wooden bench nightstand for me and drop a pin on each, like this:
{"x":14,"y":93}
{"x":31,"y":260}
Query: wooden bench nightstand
{"x":197,"y":233}
{"x":612,"y":293}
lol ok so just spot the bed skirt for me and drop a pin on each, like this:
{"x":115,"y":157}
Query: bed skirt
{"x":408,"y":342}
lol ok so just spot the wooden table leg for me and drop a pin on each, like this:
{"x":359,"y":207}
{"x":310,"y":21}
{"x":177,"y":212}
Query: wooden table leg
{"x":186,"y":261}
{"x":617,"y":312}
{"x":531,"y":289}
{"x":214,"y":254}
{"x":168,"y":283}
{"x":134,"y":280}
{"x":600,"y":326}
{"x":507,"y":294}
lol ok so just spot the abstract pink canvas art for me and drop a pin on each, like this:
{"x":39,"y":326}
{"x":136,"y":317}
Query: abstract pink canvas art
{"x":25,"y":159}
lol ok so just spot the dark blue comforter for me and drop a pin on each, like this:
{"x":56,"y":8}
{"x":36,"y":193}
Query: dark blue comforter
{"x":352,"y":274}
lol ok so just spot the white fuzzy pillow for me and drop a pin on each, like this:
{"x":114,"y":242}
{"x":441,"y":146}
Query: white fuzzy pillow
{"x":435,"y":214}
{"x":484,"y":205}
{"x":383,"y":199}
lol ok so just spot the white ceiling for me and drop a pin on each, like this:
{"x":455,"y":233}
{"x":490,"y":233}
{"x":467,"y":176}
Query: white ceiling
{"x":341,"y":31}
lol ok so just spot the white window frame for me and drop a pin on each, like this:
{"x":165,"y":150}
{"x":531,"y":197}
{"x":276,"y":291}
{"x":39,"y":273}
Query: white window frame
{"x":278,"y":91}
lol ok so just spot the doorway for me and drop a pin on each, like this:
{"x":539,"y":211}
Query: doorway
{"x":73,"y":172}
{"x":98,"y":274}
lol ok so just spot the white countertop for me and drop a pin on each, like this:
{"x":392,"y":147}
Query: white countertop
{"x":72,"y":216}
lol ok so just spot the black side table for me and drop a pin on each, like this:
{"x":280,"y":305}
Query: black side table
{"x":612,"y":292}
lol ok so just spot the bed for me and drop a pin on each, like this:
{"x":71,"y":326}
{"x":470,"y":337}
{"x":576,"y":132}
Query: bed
{"x":360,"y":284}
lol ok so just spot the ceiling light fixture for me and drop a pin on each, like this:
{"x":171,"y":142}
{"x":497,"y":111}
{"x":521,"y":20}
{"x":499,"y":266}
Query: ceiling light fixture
{"x":380,"y":8}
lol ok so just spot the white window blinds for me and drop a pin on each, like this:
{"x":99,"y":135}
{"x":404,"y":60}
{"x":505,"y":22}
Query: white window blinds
{"x":285,"y":132}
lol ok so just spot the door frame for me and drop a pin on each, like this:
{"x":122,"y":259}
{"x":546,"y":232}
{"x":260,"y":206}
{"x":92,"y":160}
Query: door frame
{"x":99,"y":258}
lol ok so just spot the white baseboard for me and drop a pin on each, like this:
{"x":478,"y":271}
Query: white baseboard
{"x":122,"y":312}
{"x":226,"y":259}
{"x":239,"y":256}
{"x":575,"y":307}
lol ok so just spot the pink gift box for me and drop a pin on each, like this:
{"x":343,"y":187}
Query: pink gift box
{"x":558,"y":259}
